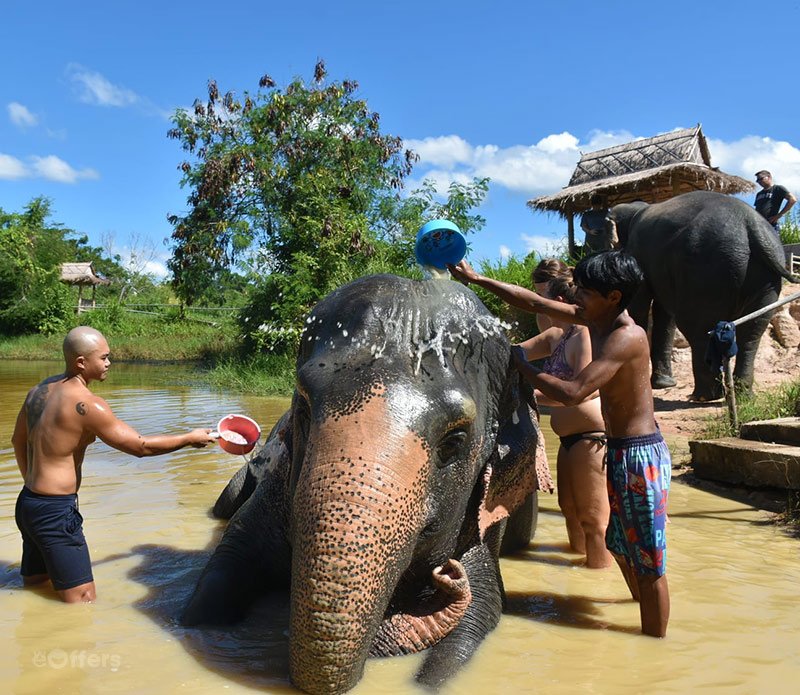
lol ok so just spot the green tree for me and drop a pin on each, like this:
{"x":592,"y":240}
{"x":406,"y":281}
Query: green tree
{"x":402,"y":216}
{"x":32,"y":249}
{"x":286,"y":183}
{"x":31,"y":297}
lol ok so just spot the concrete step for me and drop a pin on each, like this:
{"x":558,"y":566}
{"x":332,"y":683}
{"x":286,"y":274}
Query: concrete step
{"x":745,"y":462}
{"x":785,"y":430}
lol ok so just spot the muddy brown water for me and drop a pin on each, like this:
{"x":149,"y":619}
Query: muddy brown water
{"x":734,"y":581}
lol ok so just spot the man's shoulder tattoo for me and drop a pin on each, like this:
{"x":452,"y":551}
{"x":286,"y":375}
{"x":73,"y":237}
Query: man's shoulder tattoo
{"x":80,"y":406}
{"x":36,"y":404}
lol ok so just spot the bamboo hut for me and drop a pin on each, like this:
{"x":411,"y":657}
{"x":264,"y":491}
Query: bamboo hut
{"x":82,"y":274}
{"x":651,"y":169}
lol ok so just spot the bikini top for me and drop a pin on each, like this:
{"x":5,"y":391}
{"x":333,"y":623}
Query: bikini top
{"x":556,"y":365}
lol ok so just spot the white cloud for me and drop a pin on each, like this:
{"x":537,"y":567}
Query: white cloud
{"x":55,"y":169}
{"x":444,"y":151}
{"x":546,"y":166}
{"x":505,"y":252}
{"x":20,"y":116}
{"x":139,"y":255}
{"x":540,"y":168}
{"x":156,"y":269}
{"x":545,"y":246}
{"x":11,"y":168}
{"x":752,"y":153}
{"x":94,"y":88}
{"x":558,"y":143}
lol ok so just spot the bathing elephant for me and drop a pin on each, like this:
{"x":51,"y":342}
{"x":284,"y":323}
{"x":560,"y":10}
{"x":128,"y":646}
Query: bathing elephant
{"x":706,"y":257}
{"x":380,"y":499}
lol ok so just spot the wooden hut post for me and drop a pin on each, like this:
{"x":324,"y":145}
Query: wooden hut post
{"x":571,"y":232}
{"x":80,"y":298}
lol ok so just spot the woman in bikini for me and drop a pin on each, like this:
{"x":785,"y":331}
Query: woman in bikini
{"x":581,"y":483}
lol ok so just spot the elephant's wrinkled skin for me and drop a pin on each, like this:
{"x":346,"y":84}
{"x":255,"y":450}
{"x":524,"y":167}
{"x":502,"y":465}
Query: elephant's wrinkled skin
{"x":706,"y":257}
{"x":380,"y":496}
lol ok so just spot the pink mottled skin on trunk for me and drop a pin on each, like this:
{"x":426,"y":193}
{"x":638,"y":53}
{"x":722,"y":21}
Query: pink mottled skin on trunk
{"x":359,"y":504}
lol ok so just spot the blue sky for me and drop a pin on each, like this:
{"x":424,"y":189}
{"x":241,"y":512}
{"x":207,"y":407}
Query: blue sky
{"x":510,"y":90}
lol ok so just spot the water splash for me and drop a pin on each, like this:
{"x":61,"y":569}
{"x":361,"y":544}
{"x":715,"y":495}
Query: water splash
{"x":430,"y":272}
{"x":443,"y":343}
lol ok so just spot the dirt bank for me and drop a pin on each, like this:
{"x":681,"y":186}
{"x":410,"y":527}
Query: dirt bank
{"x":681,"y":420}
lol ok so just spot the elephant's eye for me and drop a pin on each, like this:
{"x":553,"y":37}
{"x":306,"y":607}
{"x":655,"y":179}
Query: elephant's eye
{"x":451,"y":447}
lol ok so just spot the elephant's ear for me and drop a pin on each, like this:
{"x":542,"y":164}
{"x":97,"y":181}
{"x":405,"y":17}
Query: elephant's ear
{"x":518,"y":465}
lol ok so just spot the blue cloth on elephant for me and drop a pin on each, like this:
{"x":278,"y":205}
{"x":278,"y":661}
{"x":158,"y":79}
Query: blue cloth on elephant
{"x":721,"y":345}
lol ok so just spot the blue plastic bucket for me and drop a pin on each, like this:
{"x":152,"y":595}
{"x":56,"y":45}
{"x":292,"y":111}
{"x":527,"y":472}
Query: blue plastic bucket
{"x":439,"y":242}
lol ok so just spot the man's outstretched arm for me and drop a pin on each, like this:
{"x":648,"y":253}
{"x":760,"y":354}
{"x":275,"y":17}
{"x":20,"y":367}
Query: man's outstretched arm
{"x":515,"y":295}
{"x":120,"y":435}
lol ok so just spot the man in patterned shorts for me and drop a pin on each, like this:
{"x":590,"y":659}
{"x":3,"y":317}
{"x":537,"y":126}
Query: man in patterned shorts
{"x":638,"y":460}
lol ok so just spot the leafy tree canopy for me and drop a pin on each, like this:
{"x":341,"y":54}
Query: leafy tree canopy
{"x":280,"y":177}
{"x":299,"y":189}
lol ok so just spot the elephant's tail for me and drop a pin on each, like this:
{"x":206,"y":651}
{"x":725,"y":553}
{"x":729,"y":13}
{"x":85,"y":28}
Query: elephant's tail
{"x":769,"y":249}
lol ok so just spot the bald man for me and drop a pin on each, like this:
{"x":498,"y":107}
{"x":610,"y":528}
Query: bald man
{"x":58,"y":420}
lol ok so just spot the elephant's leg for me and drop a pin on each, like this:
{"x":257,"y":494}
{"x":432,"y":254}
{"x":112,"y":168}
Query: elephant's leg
{"x":707,"y":383}
{"x":639,"y":308}
{"x":235,"y":494}
{"x":662,"y":337}
{"x":748,"y":337}
{"x":252,"y":557}
{"x":521,"y":526}
{"x":483,"y":614}
{"x":274,"y":455}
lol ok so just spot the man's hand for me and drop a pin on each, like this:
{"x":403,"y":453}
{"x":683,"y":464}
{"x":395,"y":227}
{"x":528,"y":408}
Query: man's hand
{"x":463,"y":272}
{"x":200,"y":438}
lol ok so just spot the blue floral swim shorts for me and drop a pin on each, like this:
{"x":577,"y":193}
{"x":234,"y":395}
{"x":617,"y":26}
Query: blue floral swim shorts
{"x":639,"y":474}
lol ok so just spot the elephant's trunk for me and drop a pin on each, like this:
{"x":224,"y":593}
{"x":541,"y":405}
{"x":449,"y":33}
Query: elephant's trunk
{"x":404,"y":633}
{"x":359,"y":506}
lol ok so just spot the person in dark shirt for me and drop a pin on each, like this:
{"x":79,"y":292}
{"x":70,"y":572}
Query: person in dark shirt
{"x":769,"y":199}
{"x":593,"y":223}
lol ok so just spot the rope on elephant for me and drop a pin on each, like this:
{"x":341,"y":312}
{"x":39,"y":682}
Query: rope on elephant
{"x":764,"y":310}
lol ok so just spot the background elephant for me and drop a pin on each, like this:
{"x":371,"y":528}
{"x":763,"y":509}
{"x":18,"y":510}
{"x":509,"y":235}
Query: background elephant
{"x":706,"y":257}
{"x":380,"y":498}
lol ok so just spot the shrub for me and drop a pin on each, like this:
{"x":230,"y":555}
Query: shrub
{"x":517,"y":272}
{"x":43,"y":305}
{"x":783,"y":401}
{"x":790,"y":229}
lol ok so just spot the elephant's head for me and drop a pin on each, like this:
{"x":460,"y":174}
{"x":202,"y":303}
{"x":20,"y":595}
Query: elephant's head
{"x":621,"y":217}
{"x":408,"y":440}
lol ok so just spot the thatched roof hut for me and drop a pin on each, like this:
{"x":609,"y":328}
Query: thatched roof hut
{"x":651,"y":169}
{"x":82,"y":274}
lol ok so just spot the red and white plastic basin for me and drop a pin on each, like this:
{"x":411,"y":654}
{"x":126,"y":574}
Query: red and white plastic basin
{"x":237,"y":434}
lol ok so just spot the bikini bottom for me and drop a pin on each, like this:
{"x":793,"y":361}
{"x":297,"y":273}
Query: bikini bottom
{"x":571,"y":439}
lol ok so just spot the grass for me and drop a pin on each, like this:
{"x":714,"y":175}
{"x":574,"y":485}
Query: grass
{"x":266,"y":375}
{"x":215,"y":349}
{"x":188,"y":343}
{"x":783,"y":401}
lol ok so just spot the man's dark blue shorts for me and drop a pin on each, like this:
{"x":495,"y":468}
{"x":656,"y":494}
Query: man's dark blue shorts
{"x":52,"y":539}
